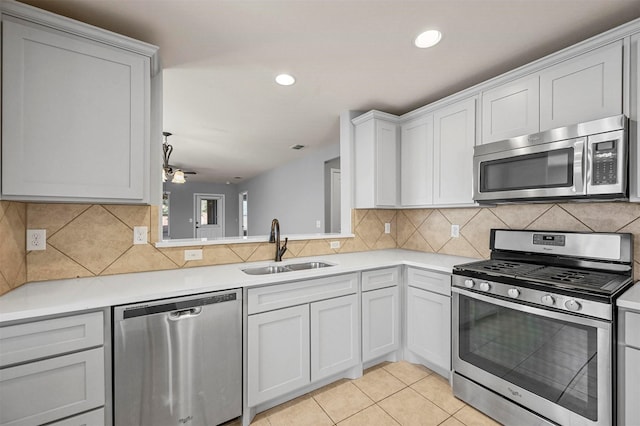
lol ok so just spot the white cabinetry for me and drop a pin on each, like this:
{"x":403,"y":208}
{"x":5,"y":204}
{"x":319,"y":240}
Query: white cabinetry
{"x":311,"y":332}
{"x":53,"y":369}
{"x":634,"y":122}
{"x":76,"y":111}
{"x":511,"y":109}
{"x":416,"y":162}
{"x":428,"y":316}
{"x":628,"y":367}
{"x":454,"y":139}
{"x":583,"y":88}
{"x":380,"y":313}
{"x":376,"y":160}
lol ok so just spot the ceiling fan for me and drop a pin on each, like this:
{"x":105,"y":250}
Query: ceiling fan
{"x":169,"y":171}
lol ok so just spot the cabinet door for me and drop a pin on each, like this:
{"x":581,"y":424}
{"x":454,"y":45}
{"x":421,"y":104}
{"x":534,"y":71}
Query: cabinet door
{"x":44,"y":391}
{"x":634,"y":121}
{"x":75,"y":117}
{"x":511,"y":110}
{"x":584,"y":88}
{"x":630,"y":389}
{"x":386,"y":170}
{"x":416,"y":162}
{"x":454,"y":138}
{"x":429,"y":326}
{"x":335,"y":341}
{"x":278,"y":353}
{"x":380,"y":322}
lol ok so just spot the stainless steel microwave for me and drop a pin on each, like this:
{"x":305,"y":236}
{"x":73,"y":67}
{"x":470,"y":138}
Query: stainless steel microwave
{"x":584,"y":161}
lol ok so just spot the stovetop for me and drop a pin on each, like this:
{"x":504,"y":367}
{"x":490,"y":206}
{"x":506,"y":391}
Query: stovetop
{"x":572,"y":279}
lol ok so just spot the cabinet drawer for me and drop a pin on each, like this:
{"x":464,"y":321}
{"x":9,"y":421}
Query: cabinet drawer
{"x":429,"y":280}
{"x":95,"y":417}
{"x":40,"y":339}
{"x":44,"y":391}
{"x":631,"y":328}
{"x":380,"y":278}
{"x":296,"y":293}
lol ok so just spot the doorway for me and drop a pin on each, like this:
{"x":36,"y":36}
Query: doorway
{"x":243,"y":202}
{"x":209,"y":216}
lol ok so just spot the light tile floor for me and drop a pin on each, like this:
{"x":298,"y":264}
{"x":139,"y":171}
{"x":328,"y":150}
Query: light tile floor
{"x":390,"y":394}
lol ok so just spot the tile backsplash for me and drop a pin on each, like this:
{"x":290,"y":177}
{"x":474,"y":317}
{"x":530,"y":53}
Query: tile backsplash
{"x":86,"y":240}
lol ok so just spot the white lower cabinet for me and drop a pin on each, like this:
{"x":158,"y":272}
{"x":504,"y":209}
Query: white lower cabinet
{"x":628,"y":368}
{"x":53,"y":369}
{"x":334,"y":336}
{"x":291,"y":347}
{"x":278,"y":353}
{"x":380,"y":322}
{"x":428,"y":315}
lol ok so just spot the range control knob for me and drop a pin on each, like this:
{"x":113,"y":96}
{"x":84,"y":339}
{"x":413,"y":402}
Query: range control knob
{"x":469,"y":283}
{"x":513,"y":292}
{"x":548,"y":300}
{"x":485,"y":286}
{"x":572,"y":305}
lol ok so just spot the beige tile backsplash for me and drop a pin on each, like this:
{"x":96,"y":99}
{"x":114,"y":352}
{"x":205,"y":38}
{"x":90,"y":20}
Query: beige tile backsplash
{"x":86,"y":240}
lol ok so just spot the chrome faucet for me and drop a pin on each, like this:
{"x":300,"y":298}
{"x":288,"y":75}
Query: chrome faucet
{"x":275,"y":238}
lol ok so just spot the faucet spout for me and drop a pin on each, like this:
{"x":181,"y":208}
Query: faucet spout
{"x":274,"y":237}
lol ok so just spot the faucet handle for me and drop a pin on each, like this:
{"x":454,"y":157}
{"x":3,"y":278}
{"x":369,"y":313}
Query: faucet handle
{"x":283,"y":249}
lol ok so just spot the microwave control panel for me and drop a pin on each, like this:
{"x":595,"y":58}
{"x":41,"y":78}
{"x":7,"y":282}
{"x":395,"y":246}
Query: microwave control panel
{"x":605,"y":163}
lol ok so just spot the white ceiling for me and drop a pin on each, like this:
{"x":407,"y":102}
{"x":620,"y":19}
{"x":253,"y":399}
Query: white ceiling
{"x":230,"y":119}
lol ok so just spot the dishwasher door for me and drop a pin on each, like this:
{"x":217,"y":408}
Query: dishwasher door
{"x":178,"y":361}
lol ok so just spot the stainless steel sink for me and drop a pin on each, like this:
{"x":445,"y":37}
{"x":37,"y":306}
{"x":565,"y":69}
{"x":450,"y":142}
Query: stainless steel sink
{"x":266,"y":270}
{"x":308,"y":265}
{"x":276,"y":269}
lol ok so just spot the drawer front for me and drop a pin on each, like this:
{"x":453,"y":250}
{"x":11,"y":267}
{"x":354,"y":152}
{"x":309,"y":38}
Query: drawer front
{"x":296,"y":293}
{"x":632,"y":328}
{"x":40,"y":339}
{"x":92,"y":418}
{"x":429,"y":280}
{"x":44,"y":391}
{"x":380,"y":278}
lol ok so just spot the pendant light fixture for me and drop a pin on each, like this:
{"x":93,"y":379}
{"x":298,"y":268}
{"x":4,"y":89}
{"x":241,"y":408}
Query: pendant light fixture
{"x":168,"y":172}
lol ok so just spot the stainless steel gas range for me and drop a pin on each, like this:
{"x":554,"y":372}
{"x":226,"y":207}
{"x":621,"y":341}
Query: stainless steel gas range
{"x":534,"y":326}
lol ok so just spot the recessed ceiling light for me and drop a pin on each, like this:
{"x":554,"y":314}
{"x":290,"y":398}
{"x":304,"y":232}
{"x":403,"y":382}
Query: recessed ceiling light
{"x":285,"y":79}
{"x":428,"y":39}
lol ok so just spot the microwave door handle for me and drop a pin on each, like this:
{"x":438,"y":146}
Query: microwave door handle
{"x":579,"y":166}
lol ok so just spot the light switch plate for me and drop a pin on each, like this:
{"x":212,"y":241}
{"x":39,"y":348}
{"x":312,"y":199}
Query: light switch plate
{"x":193,"y":254}
{"x":36,"y":239}
{"x":387,"y":228}
{"x":455,"y":231}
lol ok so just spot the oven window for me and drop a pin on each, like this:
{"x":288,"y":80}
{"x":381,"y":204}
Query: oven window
{"x":549,"y":169}
{"x":554,"y":359}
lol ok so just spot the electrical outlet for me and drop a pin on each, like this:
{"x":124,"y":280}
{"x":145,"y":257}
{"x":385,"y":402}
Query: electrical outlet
{"x":36,"y":239}
{"x":139,"y":235}
{"x":318,"y":224}
{"x":193,"y":254}
{"x":455,"y":231}
{"x":387,"y":228}
{"x":334,"y":244}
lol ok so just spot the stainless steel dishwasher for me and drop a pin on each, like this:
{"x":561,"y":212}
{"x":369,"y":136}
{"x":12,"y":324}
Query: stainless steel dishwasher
{"x":178,"y":361}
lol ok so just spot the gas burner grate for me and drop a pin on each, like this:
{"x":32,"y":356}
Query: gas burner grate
{"x":500,"y":267}
{"x":562,"y":276}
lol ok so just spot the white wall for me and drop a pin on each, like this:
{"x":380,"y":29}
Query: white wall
{"x":293,"y":193}
{"x":181,"y":206}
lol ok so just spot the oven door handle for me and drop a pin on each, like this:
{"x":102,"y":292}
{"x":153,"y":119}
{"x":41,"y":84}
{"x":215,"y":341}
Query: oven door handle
{"x":576,"y":319}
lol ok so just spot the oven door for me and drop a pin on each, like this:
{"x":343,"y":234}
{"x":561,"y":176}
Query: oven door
{"x":554,"y":364}
{"x":553,"y":169}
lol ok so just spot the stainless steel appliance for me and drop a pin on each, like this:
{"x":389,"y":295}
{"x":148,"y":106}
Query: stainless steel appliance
{"x":533,"y":326}
{"x":178,"y":361}
{"x":584,"y":161}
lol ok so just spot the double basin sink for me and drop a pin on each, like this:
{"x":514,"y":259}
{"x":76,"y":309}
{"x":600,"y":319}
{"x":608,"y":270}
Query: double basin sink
{"x":277,"y":269}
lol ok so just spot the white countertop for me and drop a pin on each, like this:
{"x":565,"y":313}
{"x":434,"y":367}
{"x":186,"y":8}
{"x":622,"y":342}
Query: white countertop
{"x":630,"y":299}
{"x":60,"y":296}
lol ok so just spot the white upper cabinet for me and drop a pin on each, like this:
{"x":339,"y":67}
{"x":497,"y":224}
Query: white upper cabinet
{"x":454,"y":131}
{"x":511,"y":110}
{"x":76,"y":114}
{"x":583,"y":88}
{"x":416,"y":162}
{"x":634,"y":115}
{"x":376,"y":160}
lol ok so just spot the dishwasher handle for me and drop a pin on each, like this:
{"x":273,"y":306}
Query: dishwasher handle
{"x":185,"y":313}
